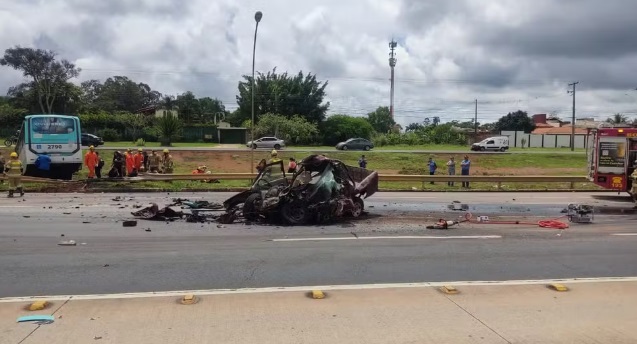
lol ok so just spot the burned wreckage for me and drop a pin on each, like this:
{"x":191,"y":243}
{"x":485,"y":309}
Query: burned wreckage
{"x":321,"y":190}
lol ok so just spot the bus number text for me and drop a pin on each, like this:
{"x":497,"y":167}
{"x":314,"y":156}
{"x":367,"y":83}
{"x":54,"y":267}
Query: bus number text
{"x":54,"y":146}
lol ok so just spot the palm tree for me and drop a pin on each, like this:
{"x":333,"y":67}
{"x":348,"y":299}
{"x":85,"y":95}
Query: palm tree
{"x":168,"y":128}
{"x":168,"y":102}
{"x":617,"y":118}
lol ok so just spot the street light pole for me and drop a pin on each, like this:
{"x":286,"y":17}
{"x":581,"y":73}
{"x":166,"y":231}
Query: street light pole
{"x":257,"y":18}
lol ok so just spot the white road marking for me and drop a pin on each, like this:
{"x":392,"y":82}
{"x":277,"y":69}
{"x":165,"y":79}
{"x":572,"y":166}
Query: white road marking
{"x":393,"y":237}
{"x":205,"y":292}
{"x":625,"y":234}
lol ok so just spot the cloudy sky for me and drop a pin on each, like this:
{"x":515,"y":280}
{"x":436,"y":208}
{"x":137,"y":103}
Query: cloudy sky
{"x":509,"y":54}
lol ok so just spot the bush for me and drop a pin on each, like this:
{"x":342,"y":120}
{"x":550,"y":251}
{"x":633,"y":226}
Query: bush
{"x":140,"y":143}
{"x":168,"y":129}
{"x":338,"y":128}
{"x":109,"y":134}
{"x":295,"y":130}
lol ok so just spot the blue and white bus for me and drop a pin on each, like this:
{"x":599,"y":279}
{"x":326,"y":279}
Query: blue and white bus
{"x":58,"y":136}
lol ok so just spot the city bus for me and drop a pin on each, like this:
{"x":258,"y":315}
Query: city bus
{"x":59,"y":137}
{"x":612,"y":157}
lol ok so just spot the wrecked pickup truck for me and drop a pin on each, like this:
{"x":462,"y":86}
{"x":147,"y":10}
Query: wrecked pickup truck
{"x":321,"y":190}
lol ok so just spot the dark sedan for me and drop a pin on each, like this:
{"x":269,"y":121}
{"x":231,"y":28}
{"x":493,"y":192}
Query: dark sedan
{"x":355,"y":144}
{"x":91,"y":140}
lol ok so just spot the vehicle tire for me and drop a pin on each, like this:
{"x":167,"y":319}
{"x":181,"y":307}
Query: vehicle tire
{"x":295,"y":213}
{"x":344,"y":148}
{"x":251,"y":207}
{"x":482,"y":149}
{"x":359,"y":207}
{"x":277,"y":147}
{"x":254,"y":146}
{"x":367,"y":148}
{"x":8,"y":143}
{"x":502,"y":149}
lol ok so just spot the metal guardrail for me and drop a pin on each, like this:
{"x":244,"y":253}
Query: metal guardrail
{"x":383,"y":178}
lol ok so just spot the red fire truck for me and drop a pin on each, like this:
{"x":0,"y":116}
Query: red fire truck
{"x":612,"y":157}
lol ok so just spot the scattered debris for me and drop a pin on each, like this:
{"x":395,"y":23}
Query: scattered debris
{"x":443,"y":224}
{"x":85,"y":222}
{"x":105,"y":266}
{"x":26,"y":216}
{"x":38,"y":319}
{"x":354,"y":234}
{"x":66,"y":213}
{"x":154,"y":213}
{"x":97,"y":338}
{"x":580,"y":213}
{"x":148,"y":230}
{"x":457,"y":206}
{"x":196,"y":204}
{"x":130,"y":223}
{"x":67,"y":243}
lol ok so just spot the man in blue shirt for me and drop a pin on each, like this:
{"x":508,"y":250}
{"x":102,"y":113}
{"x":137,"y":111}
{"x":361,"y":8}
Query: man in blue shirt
{"x":432,"y":167}
{"x":43,"y":163}
{"x":466,"y":165}
{"x":362,"y":163}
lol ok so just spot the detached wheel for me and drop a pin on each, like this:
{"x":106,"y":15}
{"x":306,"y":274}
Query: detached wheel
{"x":8,"y":143}
{"x":359,"y":207}
{"x":251,"y":207}
{"x":294,"y":213}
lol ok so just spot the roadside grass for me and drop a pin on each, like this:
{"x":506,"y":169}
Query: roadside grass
{"x":464,"y":149}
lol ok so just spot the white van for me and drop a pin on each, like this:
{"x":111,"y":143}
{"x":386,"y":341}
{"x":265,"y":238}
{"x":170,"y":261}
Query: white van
{"x":497,"y":143}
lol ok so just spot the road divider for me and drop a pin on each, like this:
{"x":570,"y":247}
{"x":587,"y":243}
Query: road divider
{"x":499,"y":180}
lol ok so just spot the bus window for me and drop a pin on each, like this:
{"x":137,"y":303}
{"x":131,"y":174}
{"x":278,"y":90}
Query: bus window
{"x":52,"y":125}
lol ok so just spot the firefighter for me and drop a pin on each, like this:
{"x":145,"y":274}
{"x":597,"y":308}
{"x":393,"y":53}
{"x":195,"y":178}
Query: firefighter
{"x":91,"y":161}
{"x":154,"y":161}
{"x":274,"y":156}
{"x":130,"y":162}
{"x":167,"y":162}
{"x":633,"y":176}
{"x":13,"y":170}
{"x":139,"y":160}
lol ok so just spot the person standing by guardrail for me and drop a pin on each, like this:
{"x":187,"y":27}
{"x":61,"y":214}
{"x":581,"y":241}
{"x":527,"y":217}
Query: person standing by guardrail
{"x":154,"y":161}
{"x":167,"y":162}
{"x":130,"y":162}
{"x":465,"y":165}
{"x":100,"y":166}
{"x":138,"y":160}
{"x":13,"y":170}
{"x":451,"y":168}
{"x":91,"y":160}
{"x":432,"y":168}
{"x":362,"y":162}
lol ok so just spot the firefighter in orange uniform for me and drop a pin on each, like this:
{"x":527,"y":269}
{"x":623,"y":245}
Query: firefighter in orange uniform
{"x":91,"y":160}
{"x":130,"y":162}
{"x":139,"y":160}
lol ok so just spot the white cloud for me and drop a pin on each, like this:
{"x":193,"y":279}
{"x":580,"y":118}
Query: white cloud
{"x":509,"y":54}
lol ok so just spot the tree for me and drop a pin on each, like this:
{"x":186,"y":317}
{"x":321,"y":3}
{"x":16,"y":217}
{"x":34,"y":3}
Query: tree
{"x":212,"y":110}
{"x":412,"y":127}
{"x":381,"y":120}
{"x":295,"y":130}
{"x":119,"y":93}
{"x":48,"y":76}
{"x":282,"y":94}
{"x":435,"y":121}
{"x":168,"y":128}
{"x":617,"y":118}
{"x":515,"y":121}
{"x":337,"y":128}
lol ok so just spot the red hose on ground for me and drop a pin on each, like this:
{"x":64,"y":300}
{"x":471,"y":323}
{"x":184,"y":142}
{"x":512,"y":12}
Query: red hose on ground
{"x":553,"y":224}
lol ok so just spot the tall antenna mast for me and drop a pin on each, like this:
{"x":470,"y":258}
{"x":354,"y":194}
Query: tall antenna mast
{"x":392,"y":64}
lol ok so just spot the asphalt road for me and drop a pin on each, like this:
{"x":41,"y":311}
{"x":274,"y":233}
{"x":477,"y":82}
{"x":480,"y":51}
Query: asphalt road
{"x":110,"y":258}
{"x":323,"y":150}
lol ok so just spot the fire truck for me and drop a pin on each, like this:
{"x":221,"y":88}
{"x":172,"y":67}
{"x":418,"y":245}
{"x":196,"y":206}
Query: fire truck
{"x":612,"y":157}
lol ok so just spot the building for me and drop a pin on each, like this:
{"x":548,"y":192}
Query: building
{"x":157,"y":111}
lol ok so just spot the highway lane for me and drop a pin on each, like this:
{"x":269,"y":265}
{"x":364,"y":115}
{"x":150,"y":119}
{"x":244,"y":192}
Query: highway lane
{"x":110,"y":258}
{"x":323,"y":150}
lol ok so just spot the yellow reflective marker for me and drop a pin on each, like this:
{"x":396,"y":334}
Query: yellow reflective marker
{"x":38,"y":305}
{"x":318,"y":294}
{"x":188,"y":299}
{"x":449,"y":290}
{"x":558,"y":287}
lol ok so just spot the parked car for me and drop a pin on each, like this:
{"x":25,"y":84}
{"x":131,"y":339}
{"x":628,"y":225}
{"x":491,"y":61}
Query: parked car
{"x":91,"y":140}
{"x":355,"y":144}
{"x":498,"y":143}
{"x":270,"y":142}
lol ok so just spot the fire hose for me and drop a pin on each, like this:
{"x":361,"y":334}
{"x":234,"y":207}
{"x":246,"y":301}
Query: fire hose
{"x":552,"y":223}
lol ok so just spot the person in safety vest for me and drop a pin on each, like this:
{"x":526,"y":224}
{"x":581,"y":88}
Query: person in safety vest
{"x":139,"y":160}
{"x":167,"y":163}
{"x":130,"y":162}
{"x":154,"y":161}
{"x":13,"y":170}
{"x":91,"y":160}
{"x":274,"y":156}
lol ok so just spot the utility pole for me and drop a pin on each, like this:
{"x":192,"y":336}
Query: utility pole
{"x":475,"y":124}
{"x":392,"y":64}
{"x":573,"y":122}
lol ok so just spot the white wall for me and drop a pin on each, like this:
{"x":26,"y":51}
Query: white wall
{"x":545,"y":141}
{"x":536,"y":141}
